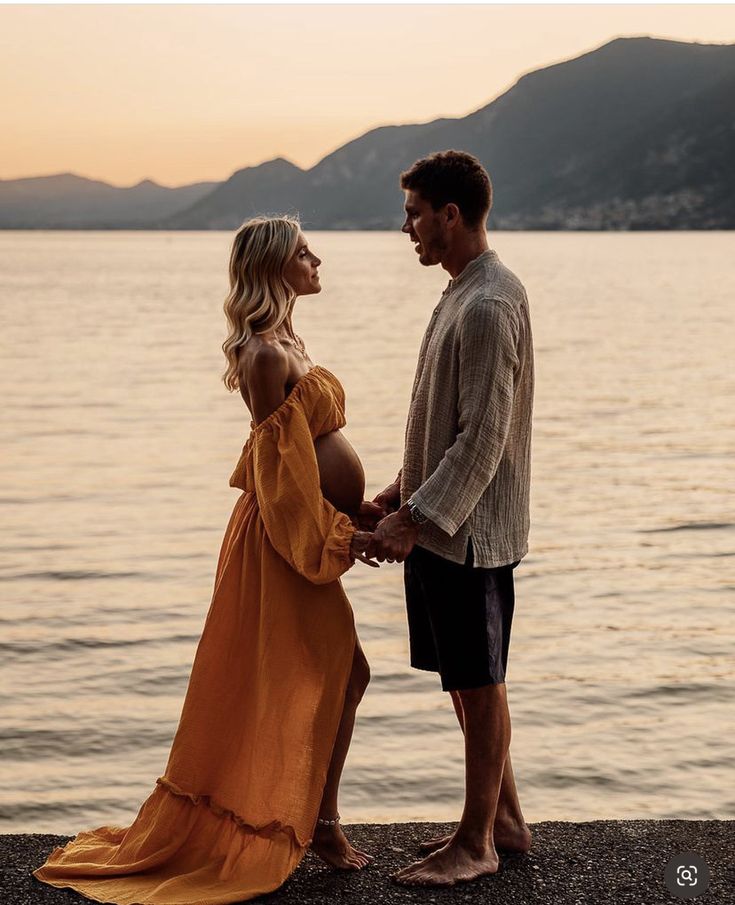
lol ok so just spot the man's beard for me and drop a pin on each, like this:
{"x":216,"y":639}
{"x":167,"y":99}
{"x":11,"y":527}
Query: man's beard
{"x":431,"y":252}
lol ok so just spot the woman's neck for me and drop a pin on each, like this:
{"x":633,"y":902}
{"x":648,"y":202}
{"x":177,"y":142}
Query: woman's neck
{"x":285,"y":329}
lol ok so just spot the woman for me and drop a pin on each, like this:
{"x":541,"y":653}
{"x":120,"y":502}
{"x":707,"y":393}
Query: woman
{"x":253,"y":773}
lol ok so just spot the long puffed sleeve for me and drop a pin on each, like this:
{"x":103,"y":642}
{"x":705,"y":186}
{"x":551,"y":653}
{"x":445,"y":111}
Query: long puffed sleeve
{"x":304,"y":528}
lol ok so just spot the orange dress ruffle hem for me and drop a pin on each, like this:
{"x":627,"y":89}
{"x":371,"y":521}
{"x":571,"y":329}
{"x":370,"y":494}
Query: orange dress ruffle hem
{"x":235,"y":810}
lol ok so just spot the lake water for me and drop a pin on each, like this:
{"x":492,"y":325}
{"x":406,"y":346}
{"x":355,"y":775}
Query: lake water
{"x":119,"y":439}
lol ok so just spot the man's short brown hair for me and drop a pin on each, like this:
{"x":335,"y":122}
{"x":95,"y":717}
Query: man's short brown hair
{"x":452,"y":177}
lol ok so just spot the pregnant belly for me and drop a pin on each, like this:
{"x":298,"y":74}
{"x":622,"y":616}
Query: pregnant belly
{"x":340,"y":472}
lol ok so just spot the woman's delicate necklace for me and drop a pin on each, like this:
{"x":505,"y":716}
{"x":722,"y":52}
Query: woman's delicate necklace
{"x":297,"y":342}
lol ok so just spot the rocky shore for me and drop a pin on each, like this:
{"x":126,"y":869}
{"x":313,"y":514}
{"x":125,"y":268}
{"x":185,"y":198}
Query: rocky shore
{"x":603,"y":862}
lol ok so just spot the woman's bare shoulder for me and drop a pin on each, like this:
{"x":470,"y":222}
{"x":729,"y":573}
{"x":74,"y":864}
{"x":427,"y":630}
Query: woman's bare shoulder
{"x":264,"y":368}
{"x":260,"y":356}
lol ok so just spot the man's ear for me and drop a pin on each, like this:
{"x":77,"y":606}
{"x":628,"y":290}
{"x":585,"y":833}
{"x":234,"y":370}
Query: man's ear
{"x":452,"y":215}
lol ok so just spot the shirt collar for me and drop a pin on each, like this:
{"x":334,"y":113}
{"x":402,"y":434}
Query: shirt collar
{"x":471,"y":267}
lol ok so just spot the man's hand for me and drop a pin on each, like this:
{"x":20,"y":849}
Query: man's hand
{"x":359,"y":547}
{"x":368,"y":515}
{"x":390,"y":498}
{"x":395,"y":537}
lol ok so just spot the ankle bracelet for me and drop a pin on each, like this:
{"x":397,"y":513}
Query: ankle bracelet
{"x":322,"y":822}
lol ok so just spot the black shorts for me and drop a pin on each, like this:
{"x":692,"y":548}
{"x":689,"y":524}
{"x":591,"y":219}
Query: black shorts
{"x":459,"y":618}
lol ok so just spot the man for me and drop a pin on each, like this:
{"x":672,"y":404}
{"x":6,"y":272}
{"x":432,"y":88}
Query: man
{"x":463,"y":524}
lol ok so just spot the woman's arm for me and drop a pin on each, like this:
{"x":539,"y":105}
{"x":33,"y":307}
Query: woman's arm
{"x":266,"y":380}
{"x":309,"y":533}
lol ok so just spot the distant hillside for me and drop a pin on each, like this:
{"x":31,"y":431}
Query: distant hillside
{"x":67,"y":201}
{"x":638,"y":134}
{"x":273,"y":187}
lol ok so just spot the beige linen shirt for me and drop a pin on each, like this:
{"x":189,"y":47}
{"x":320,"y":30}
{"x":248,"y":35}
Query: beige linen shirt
{"x":467,"y":458}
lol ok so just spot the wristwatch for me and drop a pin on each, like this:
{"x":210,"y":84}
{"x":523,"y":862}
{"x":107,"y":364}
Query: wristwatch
{"x":417,"y":516}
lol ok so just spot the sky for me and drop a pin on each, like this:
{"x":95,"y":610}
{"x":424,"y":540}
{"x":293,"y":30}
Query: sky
{"x":181,"y":94}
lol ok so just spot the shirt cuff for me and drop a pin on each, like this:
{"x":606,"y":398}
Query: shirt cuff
{"x":433,"y":515}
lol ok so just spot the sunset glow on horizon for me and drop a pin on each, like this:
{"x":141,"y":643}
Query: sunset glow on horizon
{"x":182,"y":94}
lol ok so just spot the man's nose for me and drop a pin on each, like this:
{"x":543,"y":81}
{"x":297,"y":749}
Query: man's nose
{"x":317,"y":261}
{"x":405,"y":228}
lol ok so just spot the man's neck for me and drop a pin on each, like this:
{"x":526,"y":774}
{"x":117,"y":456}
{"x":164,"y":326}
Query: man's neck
{"x":471,"y":247}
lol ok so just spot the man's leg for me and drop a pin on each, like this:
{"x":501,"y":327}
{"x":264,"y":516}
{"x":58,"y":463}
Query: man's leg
{"x":329,"y":842}
{"x":471,"y":851}
{"x":510,"y":832}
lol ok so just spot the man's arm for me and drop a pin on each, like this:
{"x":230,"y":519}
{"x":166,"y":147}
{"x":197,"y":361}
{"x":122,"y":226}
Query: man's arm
{"x":488,"y":357}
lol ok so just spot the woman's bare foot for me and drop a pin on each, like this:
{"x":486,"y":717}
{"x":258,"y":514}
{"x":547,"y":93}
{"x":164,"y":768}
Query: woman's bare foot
{"x":507,"y":836}
{"x":431,"y":845}
{"x":454,"y":863}
{"x":332,"y":846}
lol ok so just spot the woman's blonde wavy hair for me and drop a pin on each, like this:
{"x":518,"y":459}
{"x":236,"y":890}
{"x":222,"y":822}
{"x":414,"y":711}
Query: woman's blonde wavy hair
{"x":260,"y":299}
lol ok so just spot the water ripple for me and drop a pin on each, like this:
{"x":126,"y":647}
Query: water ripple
{"x":30,"y":744}
{"x":71,"y":645}
{"x":83,"y":575}
{"x":690,"y":526}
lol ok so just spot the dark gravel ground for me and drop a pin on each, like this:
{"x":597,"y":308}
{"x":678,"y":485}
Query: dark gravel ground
{"x":620,"y":862}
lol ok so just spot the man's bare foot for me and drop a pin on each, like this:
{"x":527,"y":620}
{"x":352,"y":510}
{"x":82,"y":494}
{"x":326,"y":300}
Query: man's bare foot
{"x":431,"y":845}
{"x":454,"y":863}
{"x":514,"y":838}
{"x":333,"y":847}
{"x":507,"y":836}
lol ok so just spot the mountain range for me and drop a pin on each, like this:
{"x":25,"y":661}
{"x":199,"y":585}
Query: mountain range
{"x":638,"y":134}
{"x":67,"y":201}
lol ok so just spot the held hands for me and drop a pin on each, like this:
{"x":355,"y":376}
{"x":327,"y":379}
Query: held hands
{"x":366,"y":521}
{"x":395,"y":537}
{"x":361,"y":541}
{"x":394,"y":531}
{"x":368,"y":515}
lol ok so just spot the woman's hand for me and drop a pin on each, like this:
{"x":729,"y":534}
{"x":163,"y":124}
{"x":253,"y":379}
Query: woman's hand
{"x":368,"y":515}
{"x":361,"y":540}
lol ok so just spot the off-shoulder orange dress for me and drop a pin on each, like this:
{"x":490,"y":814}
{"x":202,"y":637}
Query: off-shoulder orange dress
{"x":236,"y":807}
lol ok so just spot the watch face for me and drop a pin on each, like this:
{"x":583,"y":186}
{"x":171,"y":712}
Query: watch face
{"x":416,"y":514}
